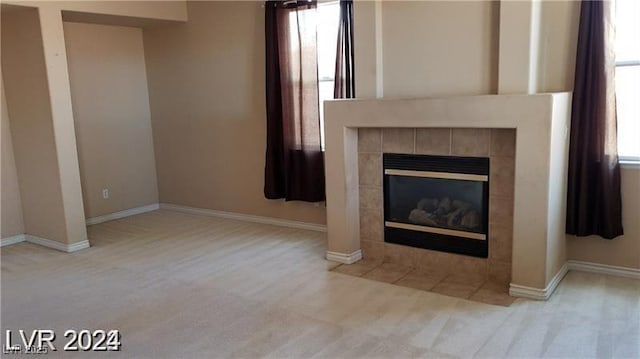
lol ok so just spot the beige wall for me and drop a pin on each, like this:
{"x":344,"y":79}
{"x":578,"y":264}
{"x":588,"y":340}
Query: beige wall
{"x":465,"y":61}
{"x":27,"y":95}
{"x":368,"y":57}
{"x":111,"y":113}
{"x":557,"y":198}
{"x":557,"y":49}
{"x":436,"y":48}
{"x":11,"y":212}
{"x":207,"y":92}
{"x":206,"y":86}
{"x":518,"y":43}
{"x":55,"y":57}
{"x":623,"y":251}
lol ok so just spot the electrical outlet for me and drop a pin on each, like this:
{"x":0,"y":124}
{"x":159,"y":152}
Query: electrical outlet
{"x":105,"y":193}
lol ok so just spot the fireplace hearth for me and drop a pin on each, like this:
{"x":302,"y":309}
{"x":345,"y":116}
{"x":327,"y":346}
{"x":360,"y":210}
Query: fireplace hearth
{"x":437,"y":202}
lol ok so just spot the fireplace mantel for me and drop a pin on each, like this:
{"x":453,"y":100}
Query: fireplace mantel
{"x":541,"y":122}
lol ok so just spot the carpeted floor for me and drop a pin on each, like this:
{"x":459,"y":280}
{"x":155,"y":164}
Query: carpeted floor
{"x":184,"y":286}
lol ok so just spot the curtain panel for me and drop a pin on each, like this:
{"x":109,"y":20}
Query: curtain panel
{"x":345,"y":81}
{"x":594,"y":204}
{"x":294,"y":167}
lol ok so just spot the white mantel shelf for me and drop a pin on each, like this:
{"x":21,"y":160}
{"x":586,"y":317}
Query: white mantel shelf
{"x":541,"y":122}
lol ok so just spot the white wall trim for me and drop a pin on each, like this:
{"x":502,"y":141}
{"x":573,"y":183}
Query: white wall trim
{"x":604,"y":269}
{"x":343,"y":257}
{"x":522,"y":291}
{"x":122,"y":214}
{"x":45,"y":243}
{"x":73,"y":247}
{"x":13,"y":240}
{"x":245,"y":217}
{"x":544,"y":294}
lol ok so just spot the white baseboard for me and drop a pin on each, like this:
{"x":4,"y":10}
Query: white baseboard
{"x":604,"y":269}
{"x":245,"y":217}
{"x":343,"y":257}
{"x":46,"y":243}
{"x":122,"y":214}
{"x":73,"y":247}
{"x":13,"y":240}
{"x":544,"y":294}
{"x":77,"y":246}
{"x":522,"y":291}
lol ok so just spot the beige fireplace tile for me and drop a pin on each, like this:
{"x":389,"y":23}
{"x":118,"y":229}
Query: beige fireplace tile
{"x":433,"y":141}
{"x":387,"y":272}
{"x":372,"y":250}
{"x":371,"y":224}
{"x":436,"y":261}
{"x":500,"y":241}
{"x":470,"y":142}
{"x":398,"y":254}
{"x":501,"y":209}
{"x":398,"y":140}
{"x":503,"y":142}
{"x":370,"y":197}
{"x":370,"y":169}
{"x":454,"y":287}
{"x":471,"y":267}
{"x":463,"y":273}
{"x":426,"y":260}
{"x":492,"y":293}
{"x":496,"y":287}
{"x":421,"y":279}
{"x":502,"y":176}
{"x":499,"y":272}
{"x":369,"y":140}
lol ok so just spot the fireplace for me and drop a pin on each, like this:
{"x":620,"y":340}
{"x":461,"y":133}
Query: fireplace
{"x":528,"y":179}
{"x":437,"y":202}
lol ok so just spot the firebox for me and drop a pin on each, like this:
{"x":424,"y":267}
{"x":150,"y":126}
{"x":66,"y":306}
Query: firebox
{"x":437,"y":202}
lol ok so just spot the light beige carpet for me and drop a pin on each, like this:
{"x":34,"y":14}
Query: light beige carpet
{"x":183,"y":286}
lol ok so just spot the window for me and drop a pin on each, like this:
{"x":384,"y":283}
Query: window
{"x":627,"y":48}
{"x":328,"y":15}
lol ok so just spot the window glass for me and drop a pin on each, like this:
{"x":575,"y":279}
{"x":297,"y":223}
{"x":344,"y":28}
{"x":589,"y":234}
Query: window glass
{"x":627,"y":48}
{"x":627,"y":30}
{"x":628,"y":108}
{"x":328,"y":21}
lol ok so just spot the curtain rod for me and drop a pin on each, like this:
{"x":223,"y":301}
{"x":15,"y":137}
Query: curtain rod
{"x":285,"y":3}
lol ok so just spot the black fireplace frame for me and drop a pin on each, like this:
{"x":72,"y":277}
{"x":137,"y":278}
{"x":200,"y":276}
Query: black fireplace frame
{"x":436,"y":241}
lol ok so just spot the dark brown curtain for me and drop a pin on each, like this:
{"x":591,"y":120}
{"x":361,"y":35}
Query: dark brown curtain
{"x":294,"y":168}
{"x":345,"y":82}
{"x":594,"y":204}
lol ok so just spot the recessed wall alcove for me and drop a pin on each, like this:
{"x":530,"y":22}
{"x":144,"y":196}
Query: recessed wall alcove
{"x":541,"y":123}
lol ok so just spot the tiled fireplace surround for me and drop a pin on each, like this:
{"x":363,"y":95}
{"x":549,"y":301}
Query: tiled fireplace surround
{"x":497,"y":144}
{"x":540,"y":124}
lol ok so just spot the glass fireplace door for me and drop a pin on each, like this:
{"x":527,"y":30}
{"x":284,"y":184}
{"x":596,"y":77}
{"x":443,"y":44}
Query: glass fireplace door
{"x":437,"y":202}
